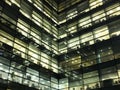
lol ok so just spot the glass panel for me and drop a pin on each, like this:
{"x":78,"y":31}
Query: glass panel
{"x":85,"y":22}
{"x":87,"y":39}
{"x":113,"y":10}
{"x":101,"y":33}
{"x":95,"y":3}
{"x":90,"y":74}
{"x":98,"y":17}
{"x":91,"y":80}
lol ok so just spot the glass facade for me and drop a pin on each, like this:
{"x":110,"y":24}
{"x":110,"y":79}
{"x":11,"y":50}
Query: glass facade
{"x":88,"y":44}
{"x":27,"y":40}
{"x":59,"y":45}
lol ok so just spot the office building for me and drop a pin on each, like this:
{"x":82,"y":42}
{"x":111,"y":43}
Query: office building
{"x":59,"y":44}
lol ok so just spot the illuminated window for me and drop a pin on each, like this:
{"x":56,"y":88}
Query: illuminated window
{"x":83,"y":7}
{"x":8,"y":2}
{"x":4,"y":71}
{"x":99,"y":16}
{"x":38,"y":4}
{"x":62,"y":18}
{"x":21,"y":52}
{"x":63,"y":83}
{"x":87,"y":39}
{"x":73,"y":42}
{"x":36,"y":18}
{"x":25,"y":9}
{"x":91,"y":80}
{"x":23,"y":27}
{"x":2,"y":33}
{"x":47,"y":26}
{"x":90,"y":74}
{"x":45,"y":55}
{"x":9,"y":19}
{"x":114,"y":28}
{"x":63,"y":47}
{"x":85,"y":22}
{"x":47,"y":11}
{"x":113,"y":10}
{"x":30,"y":1}
{"x":109,"y":73}
{"x":33,"y":54}
{"x":6,"y":38}
{"x":95,"y":3}
{"x":55,"y":31}
{"x":62,"y":36}
{"x":72,"y":28}
{"x":16,"y":2}
{"x":71,"y":14}
{"x":101,"y":33}
{"x":36,"y":36}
